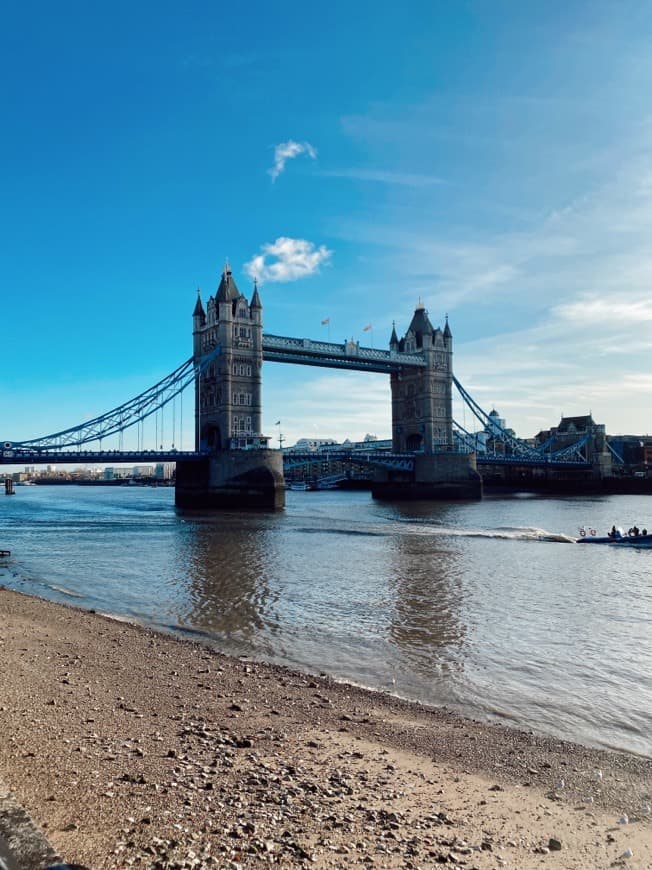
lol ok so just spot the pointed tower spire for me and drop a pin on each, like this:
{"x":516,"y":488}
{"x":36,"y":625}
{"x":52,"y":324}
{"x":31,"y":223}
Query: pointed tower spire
{"x":393,"y":341}
{"x":447,"y":329}
{"x":199,"y":308}
{"x":255,"y":299}
{"x":227,"y":291}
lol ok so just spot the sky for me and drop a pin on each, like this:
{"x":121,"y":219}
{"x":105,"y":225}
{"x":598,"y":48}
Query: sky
{"x":490,"y":159}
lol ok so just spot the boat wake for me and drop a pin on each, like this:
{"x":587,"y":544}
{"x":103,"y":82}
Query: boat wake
{"x":507,"y":533}
{"x":524,"y":534}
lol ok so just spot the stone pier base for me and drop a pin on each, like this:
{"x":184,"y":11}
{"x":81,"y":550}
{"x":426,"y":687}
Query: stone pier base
{"x":232,"y":480}
{"x":442,"y":477}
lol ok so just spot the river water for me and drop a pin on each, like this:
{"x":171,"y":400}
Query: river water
{"x":483,"y":607}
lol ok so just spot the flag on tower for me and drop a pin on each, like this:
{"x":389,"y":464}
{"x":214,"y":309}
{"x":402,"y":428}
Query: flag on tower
{"x":278,"y":423}
{"x":367,"y":328}
{"x":326,"y":322}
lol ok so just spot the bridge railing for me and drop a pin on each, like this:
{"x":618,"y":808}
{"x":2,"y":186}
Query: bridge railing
{"x":331,"y":350}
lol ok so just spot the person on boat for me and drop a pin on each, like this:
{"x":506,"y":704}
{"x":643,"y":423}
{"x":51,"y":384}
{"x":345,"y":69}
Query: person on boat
{"x":636,"y":531}
{"x":613,"y":533}
{"x":644,"y":532}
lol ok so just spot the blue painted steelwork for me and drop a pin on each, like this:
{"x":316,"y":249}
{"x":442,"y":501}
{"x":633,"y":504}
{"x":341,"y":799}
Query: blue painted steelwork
{"x":547,"y":461}
{"x":119,"y":419}
{"x":514,"y":445}
{"x":396,"y":461}
{"x":66,"y":446}
{"x":517,"y":450}
{"x":28,"y":456}
{"x":468,"y":439}
{"x":619,"y":459}
{"x":349,"y":355}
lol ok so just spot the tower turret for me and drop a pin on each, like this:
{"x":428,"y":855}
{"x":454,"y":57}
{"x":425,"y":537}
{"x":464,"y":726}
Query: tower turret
{"x":256,"y":306}
{"x":393,"y":340}
{"x":198,"y":322}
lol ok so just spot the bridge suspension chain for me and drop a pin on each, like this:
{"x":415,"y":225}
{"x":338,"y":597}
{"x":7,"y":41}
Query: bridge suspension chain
{"x":518,"y":447}
{"x":131,"y":413}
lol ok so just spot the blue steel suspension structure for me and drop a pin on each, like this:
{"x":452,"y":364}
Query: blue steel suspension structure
{"x":516,"y":450}
{"x":119,"y":419}
{"x":66,"y":444}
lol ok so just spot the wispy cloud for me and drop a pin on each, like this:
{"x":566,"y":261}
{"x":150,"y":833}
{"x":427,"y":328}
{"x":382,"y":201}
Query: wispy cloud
{"x":593,"y":312}
{"x":287,"y":260}
{"x":562,"y":304}
{"x":288,"y":151}
{"x":384,"y":176}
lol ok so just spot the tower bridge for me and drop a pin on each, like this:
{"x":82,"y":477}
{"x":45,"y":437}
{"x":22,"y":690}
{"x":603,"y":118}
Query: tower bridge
{"x":232,"y":464}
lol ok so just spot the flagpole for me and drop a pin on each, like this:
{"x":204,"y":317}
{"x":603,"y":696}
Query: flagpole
{"x":281,"y":439}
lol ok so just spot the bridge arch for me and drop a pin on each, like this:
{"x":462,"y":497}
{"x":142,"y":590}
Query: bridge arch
{"x":414,"y":442}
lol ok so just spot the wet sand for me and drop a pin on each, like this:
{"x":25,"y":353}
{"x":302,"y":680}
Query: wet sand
{"x":133,"y":748}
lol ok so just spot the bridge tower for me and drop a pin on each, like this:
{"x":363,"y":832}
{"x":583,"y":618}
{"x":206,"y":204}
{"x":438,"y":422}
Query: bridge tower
{"x":422,"y":403}
{"x":228,"y":411}
{"x":239,"y":470}
{"x":422,"y":419}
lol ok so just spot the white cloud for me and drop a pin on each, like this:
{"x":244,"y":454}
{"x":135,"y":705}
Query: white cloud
{"x":287,"y":151}
{"x":287,"y":260}
{"x":595,"y":312}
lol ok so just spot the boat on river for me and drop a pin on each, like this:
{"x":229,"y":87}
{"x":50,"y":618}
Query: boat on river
{"x":588,"y":536}
{"x":644,"y":542}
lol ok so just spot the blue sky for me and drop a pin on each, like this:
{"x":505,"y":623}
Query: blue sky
{"x":490,"y":158}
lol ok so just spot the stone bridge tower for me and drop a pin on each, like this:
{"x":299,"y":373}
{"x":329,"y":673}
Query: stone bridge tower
{"x":228,"y":409}
{"x":236,"y":468}
{"x":422,"y":420}
{"x":422,"y":404}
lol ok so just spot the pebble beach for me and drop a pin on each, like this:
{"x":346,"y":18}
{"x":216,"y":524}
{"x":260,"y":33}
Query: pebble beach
{"x":129,"y":747}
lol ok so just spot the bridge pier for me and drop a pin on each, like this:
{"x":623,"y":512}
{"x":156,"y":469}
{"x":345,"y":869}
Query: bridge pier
{"x":441,"y":477}
{"x":232,"y":480}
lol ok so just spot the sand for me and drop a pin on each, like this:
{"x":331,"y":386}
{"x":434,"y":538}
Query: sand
{"x":133,"y":748}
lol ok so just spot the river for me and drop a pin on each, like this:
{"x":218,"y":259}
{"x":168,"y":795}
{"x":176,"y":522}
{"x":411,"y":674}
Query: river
{"x":483,"y":607}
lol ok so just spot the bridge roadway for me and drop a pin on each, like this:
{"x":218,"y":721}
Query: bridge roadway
{"x":24,"y":456}
{"x":405,"y":462}
{"x":397,"y":461}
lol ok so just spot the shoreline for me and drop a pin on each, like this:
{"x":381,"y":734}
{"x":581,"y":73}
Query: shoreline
{"x":127,"y":745}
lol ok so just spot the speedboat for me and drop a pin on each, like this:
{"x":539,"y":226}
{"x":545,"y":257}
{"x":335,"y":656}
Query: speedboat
{"x":644,"y":542}
{"x":588,"y":536}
